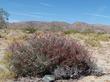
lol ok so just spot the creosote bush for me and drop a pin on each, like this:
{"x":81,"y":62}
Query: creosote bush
{"x":71,"y":31}
{"x":29,"y":30}
{"x":50,"y":53}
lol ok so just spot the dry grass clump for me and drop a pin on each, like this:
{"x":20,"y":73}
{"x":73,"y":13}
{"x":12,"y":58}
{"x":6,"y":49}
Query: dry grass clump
{"x":91,"y":39}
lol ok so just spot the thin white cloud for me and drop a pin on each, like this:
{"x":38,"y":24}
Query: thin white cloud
{"x":24,"y":14}
{"x":98,"y":15}
{"x":42,"y":13}
{"x":45,"y":4}
{"x":33,"y":14}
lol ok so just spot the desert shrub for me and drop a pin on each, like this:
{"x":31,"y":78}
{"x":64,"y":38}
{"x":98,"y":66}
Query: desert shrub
{"x":55,"y":29}
{"x":71,"y":31}
{"x":87,"y":31}
{"x":45,"y":53}
{"x":29,"y":30}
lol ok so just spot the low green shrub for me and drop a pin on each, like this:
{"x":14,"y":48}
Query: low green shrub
{"x":71,"y":31}
{"x":29,"y":30}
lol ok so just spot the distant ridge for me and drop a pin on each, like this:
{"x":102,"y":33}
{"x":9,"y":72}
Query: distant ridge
{"x":80,"y":26}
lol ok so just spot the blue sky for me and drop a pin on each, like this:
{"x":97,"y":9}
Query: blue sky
{"x":90,"y":11}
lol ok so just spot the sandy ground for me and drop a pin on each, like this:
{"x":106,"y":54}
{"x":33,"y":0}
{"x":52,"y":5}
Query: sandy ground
{"x":101,"y":55}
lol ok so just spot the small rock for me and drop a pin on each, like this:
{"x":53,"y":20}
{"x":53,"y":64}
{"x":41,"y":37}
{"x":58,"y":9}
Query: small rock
{"x":48,"y":78}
